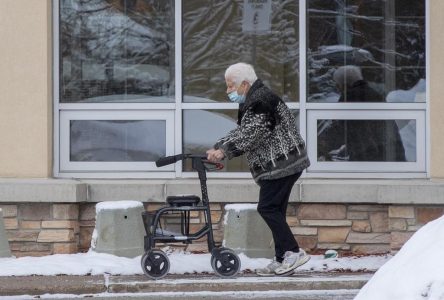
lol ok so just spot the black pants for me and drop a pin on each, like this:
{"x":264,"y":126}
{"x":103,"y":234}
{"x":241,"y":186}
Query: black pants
{"x":272,"y":206}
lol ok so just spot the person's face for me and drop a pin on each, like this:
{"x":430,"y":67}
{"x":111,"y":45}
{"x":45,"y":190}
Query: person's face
{"x":231,"y":86}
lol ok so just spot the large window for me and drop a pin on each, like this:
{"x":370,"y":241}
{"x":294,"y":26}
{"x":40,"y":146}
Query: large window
{"x":366,"y":60}
{"x":384,"y":38}
{"x":140,"y":79}
{"x":219,"y":33}
{"x":116,"y":51}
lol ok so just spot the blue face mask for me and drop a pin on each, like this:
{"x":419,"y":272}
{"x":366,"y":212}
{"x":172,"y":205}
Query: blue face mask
{"x":236,"y":98}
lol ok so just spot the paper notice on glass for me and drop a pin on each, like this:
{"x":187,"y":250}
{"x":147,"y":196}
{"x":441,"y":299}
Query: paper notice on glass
{"x":256,"y":16}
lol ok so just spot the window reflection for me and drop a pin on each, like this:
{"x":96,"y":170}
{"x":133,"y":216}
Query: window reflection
{"x":202,"y":128}
{"x":116,"y":51}
{"x":385,"y":38}
{"x":218,"y":33}
{"x":367,"y":140}
{"x":116,"y":140}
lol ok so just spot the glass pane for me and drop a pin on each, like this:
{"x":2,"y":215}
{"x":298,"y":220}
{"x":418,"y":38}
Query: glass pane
{"x":201,"y":130}
{"x":384,"y":39}
{"x":116,"y":51}
{"x":218,"y":33}
{"x":117,"y":141}
{"x":367,"y":140}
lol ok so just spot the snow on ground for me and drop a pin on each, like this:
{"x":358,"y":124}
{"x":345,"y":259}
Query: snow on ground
{"x":181,"y":262}
{"x":415,"y":272}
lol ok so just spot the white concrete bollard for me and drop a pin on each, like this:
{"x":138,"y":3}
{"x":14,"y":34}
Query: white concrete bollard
{"x":119,"y":228}
{"x":4,"y":245}
{"x":246,"y":232}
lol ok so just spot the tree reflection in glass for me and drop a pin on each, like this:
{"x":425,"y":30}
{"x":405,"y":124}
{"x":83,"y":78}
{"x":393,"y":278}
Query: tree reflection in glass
{"x":117,"y":140}
{"x":218,"y":33}
{"x":116,"y":51}
{"x":385,"y":41}
{"x":385,"y":38}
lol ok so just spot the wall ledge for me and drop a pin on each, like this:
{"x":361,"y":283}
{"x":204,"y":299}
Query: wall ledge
{"x":42,"y":190}
{"x":382,"y":191}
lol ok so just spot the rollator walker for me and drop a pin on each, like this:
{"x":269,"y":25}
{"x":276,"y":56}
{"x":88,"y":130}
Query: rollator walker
{"x":155,"y":262}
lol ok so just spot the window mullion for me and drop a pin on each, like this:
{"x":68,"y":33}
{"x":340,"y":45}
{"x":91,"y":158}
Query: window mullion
{"x":427,"y":124}
{"x":56,"y":83}
{"x":178,"y":84}
{"x":302,"y":69}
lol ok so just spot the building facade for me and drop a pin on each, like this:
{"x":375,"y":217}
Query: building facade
{"x":94,"y":91}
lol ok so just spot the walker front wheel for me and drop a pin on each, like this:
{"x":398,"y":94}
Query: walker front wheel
{"x":225,"y":263}
{"x":155,"y":264}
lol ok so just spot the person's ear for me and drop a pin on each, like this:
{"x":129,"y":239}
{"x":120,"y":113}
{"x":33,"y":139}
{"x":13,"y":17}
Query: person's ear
{"x":244,"y":86}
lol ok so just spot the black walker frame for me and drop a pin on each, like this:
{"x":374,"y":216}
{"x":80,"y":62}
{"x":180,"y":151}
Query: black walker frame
{"x":155,"y":263}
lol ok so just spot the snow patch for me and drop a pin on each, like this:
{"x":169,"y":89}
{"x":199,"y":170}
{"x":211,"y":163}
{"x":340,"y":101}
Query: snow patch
{"x":111,"y":205}
{"x":93,"y":263}
{"x":241,"y":206}
{"x":94,"y":239}
{"x":237,"y":209}
{"x":415,"y":272}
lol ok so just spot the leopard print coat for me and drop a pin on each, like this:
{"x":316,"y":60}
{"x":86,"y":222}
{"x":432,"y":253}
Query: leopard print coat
{"x":267,"y":135}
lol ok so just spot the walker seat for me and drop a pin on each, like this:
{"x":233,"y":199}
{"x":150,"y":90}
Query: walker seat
{"x":183,"y":200}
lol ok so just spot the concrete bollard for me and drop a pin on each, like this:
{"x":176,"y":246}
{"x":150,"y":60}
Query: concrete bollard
{"x":4,"y":245}
{"x":119,"y":228}
{"x":246,"y":232}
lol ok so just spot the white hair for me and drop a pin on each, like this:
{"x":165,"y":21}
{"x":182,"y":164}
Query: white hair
{"x":347,"y":75}
{"x":241,"y":72}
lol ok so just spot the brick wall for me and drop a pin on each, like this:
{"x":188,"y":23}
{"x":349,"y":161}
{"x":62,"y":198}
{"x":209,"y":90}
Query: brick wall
{"x":36,"y":229}
{"x":87,"y":222}
{"x":348,"y":228}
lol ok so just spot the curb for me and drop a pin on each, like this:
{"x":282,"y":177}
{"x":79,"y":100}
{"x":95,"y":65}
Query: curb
{"x":191,"y":283}
{"x":138,"y":284}
{"x":39,"y":285}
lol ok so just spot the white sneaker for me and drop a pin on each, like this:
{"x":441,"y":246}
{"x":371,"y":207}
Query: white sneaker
{"x":292,"y":260}
{"x":270,"y":269}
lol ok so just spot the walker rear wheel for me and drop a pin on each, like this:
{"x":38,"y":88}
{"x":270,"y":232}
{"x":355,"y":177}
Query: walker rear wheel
{"x":225,"y":263}
{"x":155,"y":264}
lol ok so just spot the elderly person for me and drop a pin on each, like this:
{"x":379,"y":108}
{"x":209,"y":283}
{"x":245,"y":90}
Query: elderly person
{"x":276,"y":154}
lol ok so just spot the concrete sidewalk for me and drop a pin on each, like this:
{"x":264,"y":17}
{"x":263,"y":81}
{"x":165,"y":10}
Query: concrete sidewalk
{"x":305,"y":285}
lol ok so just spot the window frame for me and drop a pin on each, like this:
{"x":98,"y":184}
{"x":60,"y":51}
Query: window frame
{"x":67,"y":116}
{"x":176,"y":109}
{"x":367,"y":167}
{"x":396,"y":110}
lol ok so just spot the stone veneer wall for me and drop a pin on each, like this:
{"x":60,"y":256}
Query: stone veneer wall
{"x":359,"y":229}
{"x":36,"y":229}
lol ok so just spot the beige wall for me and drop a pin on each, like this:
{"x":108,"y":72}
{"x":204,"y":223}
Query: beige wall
{"x":437,"y":87}
{"x":25,"y":89}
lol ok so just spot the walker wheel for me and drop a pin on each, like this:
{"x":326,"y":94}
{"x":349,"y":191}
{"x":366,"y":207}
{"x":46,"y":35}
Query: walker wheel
{"x":155,"y":264}
{"x":225,"y":263}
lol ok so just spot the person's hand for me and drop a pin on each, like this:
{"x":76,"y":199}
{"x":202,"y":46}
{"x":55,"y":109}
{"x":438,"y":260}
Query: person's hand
{"x":214,"y":155}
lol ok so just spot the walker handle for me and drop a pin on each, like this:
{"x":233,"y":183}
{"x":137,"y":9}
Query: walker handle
{"x":168,"y":160}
